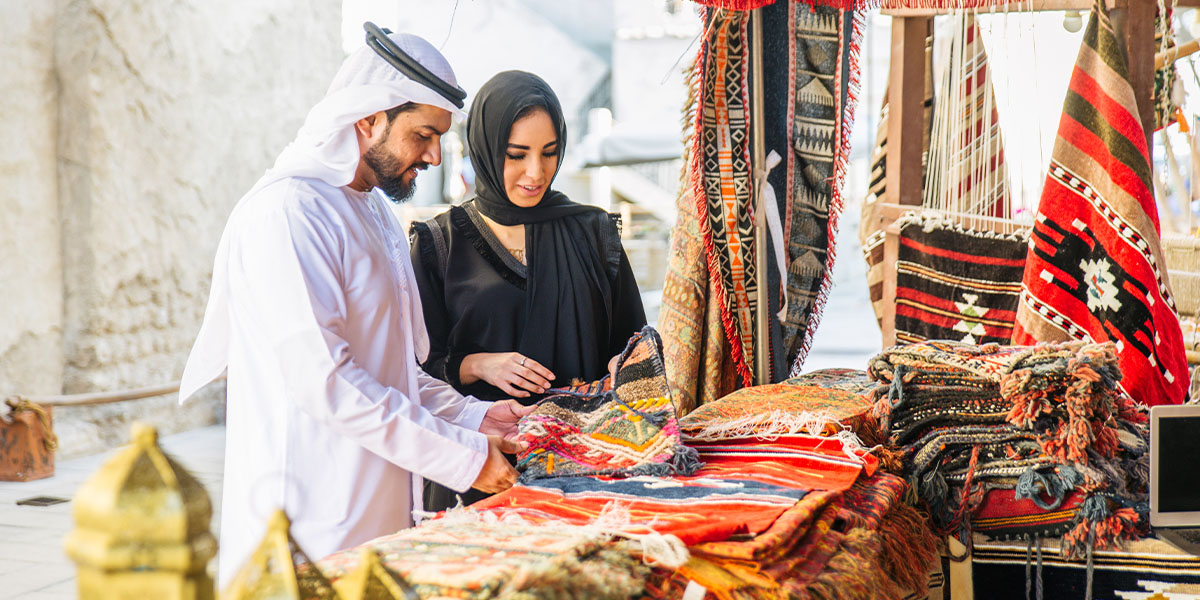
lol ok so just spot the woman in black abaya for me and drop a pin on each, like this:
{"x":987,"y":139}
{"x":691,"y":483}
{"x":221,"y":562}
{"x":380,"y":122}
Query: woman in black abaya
{"x":522,"y":289}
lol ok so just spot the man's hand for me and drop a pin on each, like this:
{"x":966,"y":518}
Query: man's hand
{"x":501,"y":419}
{"x":497,"y":475}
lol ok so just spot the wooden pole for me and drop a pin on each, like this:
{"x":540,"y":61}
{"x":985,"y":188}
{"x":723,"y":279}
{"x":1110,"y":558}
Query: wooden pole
{"x":906,"y":93}
{"x":762,"y":331}
{"x":1137,"y":21}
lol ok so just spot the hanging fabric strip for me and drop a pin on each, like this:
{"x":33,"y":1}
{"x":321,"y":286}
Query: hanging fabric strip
{"x":825,"y":70}
{"x":724,"y":152}
{"x":696,"y":353}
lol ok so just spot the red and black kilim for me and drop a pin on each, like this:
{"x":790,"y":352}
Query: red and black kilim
{"x":954,"y":283}
{"x":1095,"y":268}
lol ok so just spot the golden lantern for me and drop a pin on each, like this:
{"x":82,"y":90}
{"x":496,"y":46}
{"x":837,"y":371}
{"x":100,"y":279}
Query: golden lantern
{"x":142,"y":527}
{"x":374,"y":581}
{"x":279,"y":569}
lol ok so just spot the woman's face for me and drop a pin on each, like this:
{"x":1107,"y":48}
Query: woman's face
{"x":531,"y":159}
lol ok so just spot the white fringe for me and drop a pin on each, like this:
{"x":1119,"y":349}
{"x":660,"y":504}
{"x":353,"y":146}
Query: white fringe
{"x":770,"y":425}
{"x":614,"y":520}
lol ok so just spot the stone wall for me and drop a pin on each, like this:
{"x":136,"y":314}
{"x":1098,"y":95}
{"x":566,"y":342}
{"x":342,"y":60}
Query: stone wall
{"x":30,"y":268}
{"x":159,"y":115}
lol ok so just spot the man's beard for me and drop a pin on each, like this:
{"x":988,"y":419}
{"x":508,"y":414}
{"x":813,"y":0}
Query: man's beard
{"x":389,"y":173}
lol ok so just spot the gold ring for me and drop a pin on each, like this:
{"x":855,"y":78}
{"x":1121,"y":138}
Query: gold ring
{"x":523,"y":359}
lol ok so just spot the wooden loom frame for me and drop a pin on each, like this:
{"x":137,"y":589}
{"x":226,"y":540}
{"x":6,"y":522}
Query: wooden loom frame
{"x":906,"y":93}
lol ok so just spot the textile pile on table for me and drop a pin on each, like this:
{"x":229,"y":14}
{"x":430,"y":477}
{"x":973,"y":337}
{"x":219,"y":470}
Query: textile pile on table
{"x":1017,"y":441}
{"x":788,"y":503}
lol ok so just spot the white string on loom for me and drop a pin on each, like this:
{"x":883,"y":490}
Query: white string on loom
{"x":960,"y":178}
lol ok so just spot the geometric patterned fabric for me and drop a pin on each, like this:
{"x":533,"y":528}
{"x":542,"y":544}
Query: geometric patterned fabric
{"x":722,"y":162}
{"x":820,"y":58}
{"x":631,"y":430}
{"x":824,"y":72}
{"x":1095,"y":269}
{"x":954,"y":283}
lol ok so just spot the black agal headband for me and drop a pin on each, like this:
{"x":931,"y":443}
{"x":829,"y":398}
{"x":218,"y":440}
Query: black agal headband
{"x":378,"y":40}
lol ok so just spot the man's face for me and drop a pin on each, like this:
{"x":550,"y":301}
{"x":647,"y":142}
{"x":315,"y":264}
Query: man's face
{"x":411,"y":142}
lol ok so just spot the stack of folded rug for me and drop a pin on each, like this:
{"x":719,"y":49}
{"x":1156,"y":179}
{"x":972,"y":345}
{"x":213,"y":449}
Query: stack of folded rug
{"x":1017,"y":441}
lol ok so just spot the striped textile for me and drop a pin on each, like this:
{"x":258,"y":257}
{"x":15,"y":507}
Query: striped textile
{"x":1095,"y":270}
{"x":741,"y":489}
{"x":955,"y":283}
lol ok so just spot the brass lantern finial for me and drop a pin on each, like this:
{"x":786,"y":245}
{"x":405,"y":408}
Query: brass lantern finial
{"x":279,"y":569}
{"x":142,"y":527}
{"x":372,"y":580}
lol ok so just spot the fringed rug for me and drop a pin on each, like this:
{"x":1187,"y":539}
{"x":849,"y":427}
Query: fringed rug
{"x":821,"y":58}
{"x":1095,"y":269}
{"x":698,"y":358}
{"x":782,"y":408}
{"x":722,"y":171}
{"x":955,"y":283}
{"x":465,"y":557}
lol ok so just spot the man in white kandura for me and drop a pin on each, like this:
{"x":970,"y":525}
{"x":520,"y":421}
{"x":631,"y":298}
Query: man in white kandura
{"x":315,"y":317}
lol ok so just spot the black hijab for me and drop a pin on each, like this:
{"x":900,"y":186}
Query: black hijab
{"x":573,"y":250}
{"x":493,"y":112}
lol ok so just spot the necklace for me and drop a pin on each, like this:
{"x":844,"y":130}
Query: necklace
{"x":518,"y":253}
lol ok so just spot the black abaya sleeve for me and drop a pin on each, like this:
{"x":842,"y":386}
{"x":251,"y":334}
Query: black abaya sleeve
{"x":440,"y":363}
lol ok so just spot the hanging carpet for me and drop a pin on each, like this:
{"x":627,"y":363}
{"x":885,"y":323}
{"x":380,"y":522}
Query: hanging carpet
{"x":817,"y":48}
{"x":1095,"y":269}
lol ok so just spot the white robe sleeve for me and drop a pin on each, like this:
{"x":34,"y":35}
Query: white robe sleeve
{"x":289,"y":264}
{"x":441,"y":399}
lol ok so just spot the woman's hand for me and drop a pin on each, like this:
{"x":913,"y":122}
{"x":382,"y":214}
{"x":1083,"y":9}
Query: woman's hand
{"x":515,"y":374}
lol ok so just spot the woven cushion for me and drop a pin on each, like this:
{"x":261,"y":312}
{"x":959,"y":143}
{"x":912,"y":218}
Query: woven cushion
{"x":631,"y":430}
